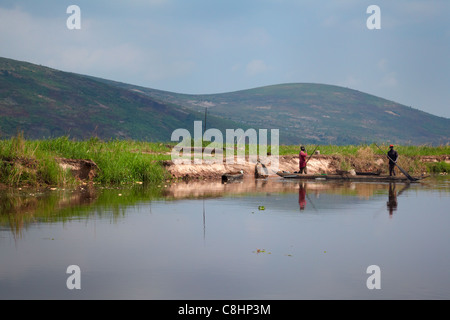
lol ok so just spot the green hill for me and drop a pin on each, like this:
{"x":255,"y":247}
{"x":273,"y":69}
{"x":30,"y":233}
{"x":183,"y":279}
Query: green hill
{"x":318,"y":113}
{"x":44,"y":102}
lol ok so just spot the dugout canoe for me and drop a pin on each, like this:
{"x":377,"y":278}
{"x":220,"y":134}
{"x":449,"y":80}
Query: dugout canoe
{"x":228,"y":177}
{"x":347,"y":177}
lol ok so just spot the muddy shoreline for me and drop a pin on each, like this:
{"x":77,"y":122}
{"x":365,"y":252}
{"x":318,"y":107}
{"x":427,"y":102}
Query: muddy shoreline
{"x":85,"y":170}
{"x":318,"y":164}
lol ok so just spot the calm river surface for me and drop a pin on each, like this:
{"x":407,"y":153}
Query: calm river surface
{"x":264,"y":239}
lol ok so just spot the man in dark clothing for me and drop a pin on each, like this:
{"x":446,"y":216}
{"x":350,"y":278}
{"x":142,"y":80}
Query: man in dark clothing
{"x":393,"y":156}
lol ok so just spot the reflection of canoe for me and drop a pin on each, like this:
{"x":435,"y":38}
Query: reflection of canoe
{"x":227,"y":177}
{"x":346,"y":177}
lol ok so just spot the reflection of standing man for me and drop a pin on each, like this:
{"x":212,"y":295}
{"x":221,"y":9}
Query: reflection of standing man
{"x":392,"y":202}
{"x":393,"y":156}
{"x":302,"y":196}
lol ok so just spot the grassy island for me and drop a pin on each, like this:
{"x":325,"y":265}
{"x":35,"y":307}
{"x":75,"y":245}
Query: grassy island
{"x":35,"y":162}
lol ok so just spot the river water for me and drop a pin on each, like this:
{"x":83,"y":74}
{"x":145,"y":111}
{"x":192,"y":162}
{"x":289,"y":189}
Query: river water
{"x":264,"y":239}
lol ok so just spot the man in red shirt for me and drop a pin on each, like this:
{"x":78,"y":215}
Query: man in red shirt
{"x":302,"y":160}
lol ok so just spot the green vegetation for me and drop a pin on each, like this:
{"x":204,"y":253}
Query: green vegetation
{"x":364,"y":155}
{"x":311,"y":113}
{"x":47,"y":103}
{"x":32,"y":162}
{"x":438,"y":167}
{"x":349,"y":150}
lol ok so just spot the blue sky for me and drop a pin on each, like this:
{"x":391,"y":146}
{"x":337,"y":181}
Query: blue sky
{"x":213,"y":46}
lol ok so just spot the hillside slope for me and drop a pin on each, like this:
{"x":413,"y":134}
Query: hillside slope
{"x":318,"y":113}
{"x":44,"y":102}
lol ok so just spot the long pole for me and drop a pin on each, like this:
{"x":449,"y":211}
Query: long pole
{"x":312,"y":154}
{"x":400,"y":168}
{"x":206,"y":110}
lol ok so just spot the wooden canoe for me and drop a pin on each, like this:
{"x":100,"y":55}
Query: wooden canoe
{"x":228,"y":177}
{"x":347,"y":177}
{"x":359,"y":173}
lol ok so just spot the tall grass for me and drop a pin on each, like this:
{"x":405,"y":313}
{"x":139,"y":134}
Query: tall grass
{"x":423,"y":150}
{"x":364,"y":155}
{"x":438,"y":167}
{"x":119,"y":161}
{"x":33,"y":161}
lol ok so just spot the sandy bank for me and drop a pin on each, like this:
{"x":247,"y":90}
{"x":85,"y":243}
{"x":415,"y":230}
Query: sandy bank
{"x":317,"y":164}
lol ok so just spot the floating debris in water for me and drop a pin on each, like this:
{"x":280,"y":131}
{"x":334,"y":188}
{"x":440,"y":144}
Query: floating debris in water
{"x":261,"y":251}
{"x":261,"y":208}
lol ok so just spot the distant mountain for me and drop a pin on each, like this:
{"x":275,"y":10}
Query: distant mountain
{"x":44,"y":102}
{"x":317,"y":113}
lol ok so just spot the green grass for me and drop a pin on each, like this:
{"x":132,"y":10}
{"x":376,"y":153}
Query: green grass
{"x":409,"y":155}
{"x":32,"y":162}
{"x":352,"y":150}
{"x":438,"y":167}
{"x":120,"y":161}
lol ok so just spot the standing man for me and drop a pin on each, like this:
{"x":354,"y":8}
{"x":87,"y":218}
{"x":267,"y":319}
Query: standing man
{"x":302,"y":160}
{"x":393,"y":156}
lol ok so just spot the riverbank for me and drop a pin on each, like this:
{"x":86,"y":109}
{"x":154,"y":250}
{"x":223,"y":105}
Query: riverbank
{"x":318,"y":164}
{"x":65,"y":162}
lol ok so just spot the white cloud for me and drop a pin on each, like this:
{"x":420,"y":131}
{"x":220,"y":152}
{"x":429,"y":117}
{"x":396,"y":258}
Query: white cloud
{"x":236,"y":67}
{"x":93,"y":50}
{"x":382,"y":64}
{"x":178,"y":46}
{"x":256,"y":67}
{"x":350,"y":82}
{"x":388,"y":78}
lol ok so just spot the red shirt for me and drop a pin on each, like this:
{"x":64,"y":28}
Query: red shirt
{"x":302,"y":157}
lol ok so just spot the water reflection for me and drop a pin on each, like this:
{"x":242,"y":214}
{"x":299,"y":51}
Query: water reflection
{"x":20,"y":208}
{"x":392,"y":202}
{"x":302,"y":196}
{"x":199,"y":240}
